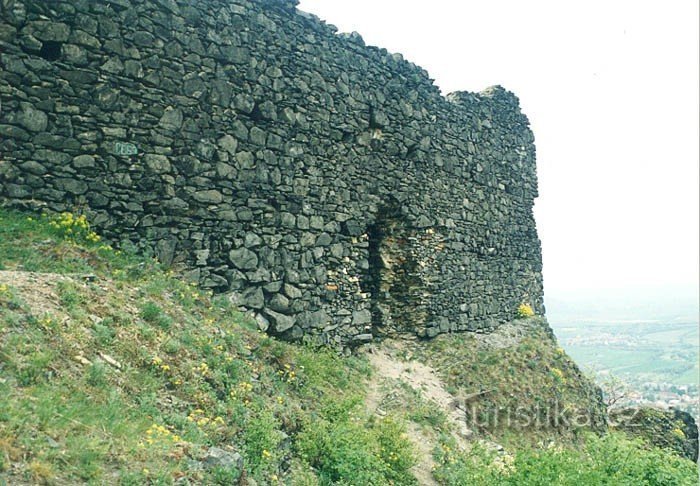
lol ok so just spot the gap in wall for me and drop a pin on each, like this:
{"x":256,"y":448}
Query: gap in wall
{"x":393,"y":277}
{"x":51,"y":50}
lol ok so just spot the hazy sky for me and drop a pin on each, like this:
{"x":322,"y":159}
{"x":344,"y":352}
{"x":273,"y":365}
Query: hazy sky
{"x":611,"y":91}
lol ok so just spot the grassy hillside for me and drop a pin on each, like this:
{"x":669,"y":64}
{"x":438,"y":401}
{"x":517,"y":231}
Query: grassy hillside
{"x":518,"y":386}
{"x":115,"y":371}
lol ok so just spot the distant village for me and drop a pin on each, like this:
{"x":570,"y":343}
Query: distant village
{"x":664,"y":395}
{"x":638,"y":388}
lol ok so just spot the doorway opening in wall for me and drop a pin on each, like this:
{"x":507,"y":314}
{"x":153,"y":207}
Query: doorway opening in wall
{"x":393,"y":278}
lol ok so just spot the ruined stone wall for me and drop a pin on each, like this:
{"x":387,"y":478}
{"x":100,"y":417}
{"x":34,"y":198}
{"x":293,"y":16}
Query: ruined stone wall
{"x":326,"y":183}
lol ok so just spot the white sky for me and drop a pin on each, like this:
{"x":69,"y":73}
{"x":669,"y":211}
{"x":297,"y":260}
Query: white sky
{"x":611,"y":90}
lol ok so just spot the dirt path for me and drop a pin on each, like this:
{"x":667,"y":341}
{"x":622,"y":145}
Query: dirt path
{"x":391,"y":369}
{"x":423,"y":445}
{"x":421,"y":377}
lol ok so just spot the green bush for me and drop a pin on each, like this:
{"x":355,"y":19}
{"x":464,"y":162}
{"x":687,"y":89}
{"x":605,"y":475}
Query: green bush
{"x":608,"y":460}
{"x":262,"y":438}
{"x":346,"y":449}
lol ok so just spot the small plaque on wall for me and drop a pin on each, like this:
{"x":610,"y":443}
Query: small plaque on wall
{"x":125,"y":148}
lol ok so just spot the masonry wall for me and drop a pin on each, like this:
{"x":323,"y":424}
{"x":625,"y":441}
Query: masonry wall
{"x":327,"y":184}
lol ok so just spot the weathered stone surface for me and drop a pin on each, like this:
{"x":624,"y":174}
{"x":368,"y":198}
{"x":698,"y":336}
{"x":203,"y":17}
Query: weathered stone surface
{"x":45,"y":30}
{"x":157,"y":163}
{"x":281,"y":322}
{"x":329,"y":185}
{"x":253,"y":298}
{"x":252,"y":240}
{"x":172,"y":119}
{"x":362,"y":338}
{"x":210,"y":196}
{"x":7,"y":32}
{"x":113,"y":66}
{"x":165,"y":250}
{"x":84,"y":161}
{"x":361,"y":317}
{"x":10,"y":131}
{"x":324,"y":239}
{"x":71,"y":185}
{"x":243,"y":259}
{"x":32,"y":119}
{"x":220,"y":458}
{"x":235,"y":55}
{"x":74,"y":54}
{"x":83,"y":38}
{"x":316,"y":319}
{"x":33,"y":167}
{"x":292,"y":292}
{"x":279,"y":303}
{"x":228,"y":143}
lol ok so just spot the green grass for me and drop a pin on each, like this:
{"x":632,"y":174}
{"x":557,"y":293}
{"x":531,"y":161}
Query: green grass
{"x":612,"y":460}
{"x":531,"y":386}
{"x":131,"y":375}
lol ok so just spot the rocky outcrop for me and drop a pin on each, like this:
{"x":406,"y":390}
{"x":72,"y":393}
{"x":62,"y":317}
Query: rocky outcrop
{"x":669,"y":429}
{"x":327,"y":184}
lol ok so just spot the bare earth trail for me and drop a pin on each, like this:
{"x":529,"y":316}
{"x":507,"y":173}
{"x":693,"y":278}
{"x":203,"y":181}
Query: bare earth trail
{"x":389,"y":371}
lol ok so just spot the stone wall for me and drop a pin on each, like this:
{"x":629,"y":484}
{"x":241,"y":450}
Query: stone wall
{"x":326,"y":183}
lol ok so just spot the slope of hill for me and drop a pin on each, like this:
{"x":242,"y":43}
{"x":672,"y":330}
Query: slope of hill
{"x":113,"y":370}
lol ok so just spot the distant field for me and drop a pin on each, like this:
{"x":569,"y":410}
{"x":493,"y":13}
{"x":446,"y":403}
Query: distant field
{"x":649,"y":352}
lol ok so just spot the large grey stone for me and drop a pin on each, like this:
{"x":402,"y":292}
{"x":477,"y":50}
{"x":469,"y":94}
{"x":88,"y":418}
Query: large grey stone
{"x":7,"y":32}
{"x":279,"y":303}
{"x":157,"y":163}
{"x":172,"y":119}
{"x":113,"y":66}
{"x":74,"y":186}
{"x":208,"y":196}
{"x":220,"y":458}
{"x":243,"y":259}
{"x":32,"y":119}
{"x":235,"y":55}
{"x":361,"y":317}
{"x":165,"y":250}
{"x":362,"y":338}
{"x":45,"y":30}
{"x":324,"y":239}
{"x":244,"y":103}
{"x":292,"y":292}
{"x":11,"y":131}
{"x":316,"y":319}
{"x":84,"y":161}
{"x":280,"y":322}
{"x":257,"y":136}
{"x":82,"y":38}
{"x":263,"y":322}
{"x":252,"y":240}
{"x":33,"y":167}
{"x":228,"y":143}
{"x":246,"y":160}
{"x":253,"y":298}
